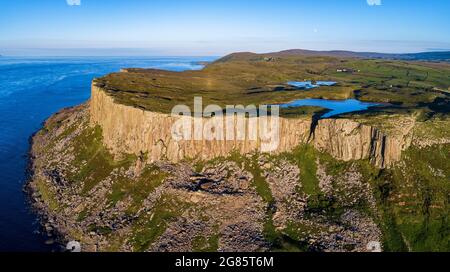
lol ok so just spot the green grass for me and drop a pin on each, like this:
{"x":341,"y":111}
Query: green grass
{"x":149,"y":227}
{"x":47,"y":195}
{"x":92,"y":160}
{"x":138,"y":189}
{"x":259,"y":182}
{"x":305,"y":157}
{"x":206,"y":244}
{"x":413,"y":201}
{"x":83,"y":215}
{"x":422,"y":212}
{"x":244,"y":79}
{"x":102,"y":230}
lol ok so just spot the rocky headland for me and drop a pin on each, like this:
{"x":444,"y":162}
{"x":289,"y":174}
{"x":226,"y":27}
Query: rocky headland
{"x":109,"y":175}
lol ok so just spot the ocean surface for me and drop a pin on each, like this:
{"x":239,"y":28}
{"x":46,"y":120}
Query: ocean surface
{"x":31,"y":90}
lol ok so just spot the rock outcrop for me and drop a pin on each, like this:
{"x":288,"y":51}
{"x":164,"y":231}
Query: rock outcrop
{"x":131,"y":130}
{"x":349,"y":140}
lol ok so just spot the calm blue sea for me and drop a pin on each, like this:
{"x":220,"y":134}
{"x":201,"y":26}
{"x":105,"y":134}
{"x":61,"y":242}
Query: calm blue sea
{"x":32,"y":89}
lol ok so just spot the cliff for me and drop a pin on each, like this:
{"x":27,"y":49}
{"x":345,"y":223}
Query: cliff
{"x":130,"y":130}
{"x":110,"y":175}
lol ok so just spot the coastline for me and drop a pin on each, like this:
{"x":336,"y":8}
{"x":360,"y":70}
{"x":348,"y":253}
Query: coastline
{"x":48,"y":226}
{"x":100,"y":175}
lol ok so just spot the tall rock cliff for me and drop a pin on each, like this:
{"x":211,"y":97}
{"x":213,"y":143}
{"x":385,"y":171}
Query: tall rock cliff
{"x":349,"y":140}
{"x":130,"y":130}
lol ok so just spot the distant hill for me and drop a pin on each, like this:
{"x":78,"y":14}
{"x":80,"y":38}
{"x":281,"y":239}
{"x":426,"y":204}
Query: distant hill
{"x":424,"y":56}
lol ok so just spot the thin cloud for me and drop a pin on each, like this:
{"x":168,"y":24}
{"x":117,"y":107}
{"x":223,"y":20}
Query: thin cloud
{"x":374,"y":2}
{"x":73,"y":2}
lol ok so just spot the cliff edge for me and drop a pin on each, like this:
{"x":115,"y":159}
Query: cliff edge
{"x":130,"y":130}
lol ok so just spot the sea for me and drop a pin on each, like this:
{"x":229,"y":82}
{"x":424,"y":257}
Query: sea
{"x":31,"y":90}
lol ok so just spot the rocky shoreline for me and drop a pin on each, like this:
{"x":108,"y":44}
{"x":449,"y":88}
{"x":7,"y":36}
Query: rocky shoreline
{"x":48,"y":226}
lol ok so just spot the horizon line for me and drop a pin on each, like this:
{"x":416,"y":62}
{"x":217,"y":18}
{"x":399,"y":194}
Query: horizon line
{"x":195,"y":55}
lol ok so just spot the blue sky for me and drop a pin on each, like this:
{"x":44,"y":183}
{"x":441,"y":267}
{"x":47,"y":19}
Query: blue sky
{"x":218,"y":27}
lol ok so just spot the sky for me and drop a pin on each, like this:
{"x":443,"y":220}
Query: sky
{"x":219,"y":27}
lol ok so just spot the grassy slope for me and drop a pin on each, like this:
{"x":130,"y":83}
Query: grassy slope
{"x":412,"y":198}
{"x":253,"y":79}
{"x":417,"y":199}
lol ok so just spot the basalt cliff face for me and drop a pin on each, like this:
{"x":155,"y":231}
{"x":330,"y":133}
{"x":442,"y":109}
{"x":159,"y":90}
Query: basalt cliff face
{"x":130,"y":130}
{"x":348,"y":140}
